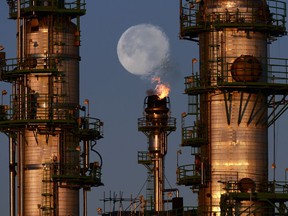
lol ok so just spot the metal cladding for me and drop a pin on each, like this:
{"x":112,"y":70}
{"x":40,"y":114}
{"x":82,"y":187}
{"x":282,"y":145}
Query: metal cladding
{"x":157,"y":125}
{"x":44,"y":123}
{"x":230,"y":101}
{"x":236,"y":149}
{"x":43,"y":97}
{"x":63,"y":56}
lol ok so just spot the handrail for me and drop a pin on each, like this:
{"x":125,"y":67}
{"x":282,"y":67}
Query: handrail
{"x":192,"y":17}
{"x":45,"y":5}
{"x":276,"y":73}
{"x":37,"y":106}
{"x":187,"y":171}
{"x":144,"y":156}
{"x":32,"y":64}
{"x":91,"y":124}
{"x":170,"y":122}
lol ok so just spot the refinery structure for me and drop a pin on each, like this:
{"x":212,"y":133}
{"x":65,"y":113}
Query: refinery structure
{"x":50,"y":134}
{"x":156,"y":124}
{"x":238,"y":92}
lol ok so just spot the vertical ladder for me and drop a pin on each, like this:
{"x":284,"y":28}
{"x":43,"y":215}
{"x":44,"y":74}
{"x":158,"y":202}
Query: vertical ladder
{"x":145,"y":159}
{"x":193,"y":106}
{"x":150,"y":190}
{"x":47,"y":190}
{"x":214,"y":58}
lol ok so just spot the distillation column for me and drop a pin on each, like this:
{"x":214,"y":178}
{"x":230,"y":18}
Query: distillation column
{"x":238,"y":142}
{"x":157,"y":125}
{"x":44,"y":122}
{"x":233,"y":40}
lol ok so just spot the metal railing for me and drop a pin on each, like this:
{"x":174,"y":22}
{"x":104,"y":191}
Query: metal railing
{"x":35,"y":64}
{"x":35,"y":106}
{"x":144,"y":156}
{"x":188,"y":174}
{"x":276,"y":72}
{"x":48,"y":4}
{"x":157,"y":122}
{"x":273,"y":20}
{"x":91,"y":123}
{"x":194,"y":135}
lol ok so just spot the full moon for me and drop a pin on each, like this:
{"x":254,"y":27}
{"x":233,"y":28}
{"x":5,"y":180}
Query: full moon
{"x":142,"y":49}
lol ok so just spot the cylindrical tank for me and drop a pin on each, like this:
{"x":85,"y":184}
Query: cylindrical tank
{"x":237,"y":141}
{"x":49,"y":47}
{"x":38,"y":154}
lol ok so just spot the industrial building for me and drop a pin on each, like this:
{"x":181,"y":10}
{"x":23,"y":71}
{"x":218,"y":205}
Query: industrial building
{"x":237,"y":93}
{"x":51,"y":135}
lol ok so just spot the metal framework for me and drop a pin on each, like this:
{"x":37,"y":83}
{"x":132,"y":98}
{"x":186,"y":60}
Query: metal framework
{"x":50,"y":134}
{"x":240,"y":89}
{"x":156,"y":124}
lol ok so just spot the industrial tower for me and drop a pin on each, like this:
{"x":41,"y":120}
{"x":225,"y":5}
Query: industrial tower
{"x":50,"y":133}
{"x":239,"y":92}
{"x":156,"y":124}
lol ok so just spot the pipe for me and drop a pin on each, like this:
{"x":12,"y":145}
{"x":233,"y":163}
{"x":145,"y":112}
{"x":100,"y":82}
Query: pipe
{"x":154,"y":127}
{"x":86,"y":155}
{"x":84,"y":202}
{"x":12,"y":175}
{"x":18,"y":29}
{"x":157,"y":183}
{"x":20,"y":174}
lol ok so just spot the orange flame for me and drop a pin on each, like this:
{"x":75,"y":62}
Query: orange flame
{"x":162,"y":89}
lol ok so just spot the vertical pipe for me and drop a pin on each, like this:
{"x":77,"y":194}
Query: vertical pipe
{"x":161,"y":182}
{"x":157,"y":149}
{"x":157,"y":191}
{"x":18,"y":29}
{"x":84,"y":202}
{"x":20,"y":174}
{"x":153,"y":125}
{"x":86,"y":155}
{"x":12,"y":175}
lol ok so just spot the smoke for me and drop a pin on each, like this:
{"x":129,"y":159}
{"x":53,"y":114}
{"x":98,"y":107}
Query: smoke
{"x":150,"y":92}
{"x":168,"y":71}
{"x":144,"y":50}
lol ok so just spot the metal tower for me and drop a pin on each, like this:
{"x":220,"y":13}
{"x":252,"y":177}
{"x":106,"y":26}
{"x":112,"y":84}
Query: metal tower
{"x":50,"y":141}
{"x":239,"y":92}
{"x":156,"y":125}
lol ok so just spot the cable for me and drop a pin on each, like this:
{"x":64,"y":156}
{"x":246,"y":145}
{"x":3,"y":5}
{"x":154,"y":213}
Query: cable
{"x":138,"y":194}
{"x":101,"y":160}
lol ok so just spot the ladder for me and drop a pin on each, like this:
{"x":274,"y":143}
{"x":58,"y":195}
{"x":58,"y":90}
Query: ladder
{"x":47,"y":190}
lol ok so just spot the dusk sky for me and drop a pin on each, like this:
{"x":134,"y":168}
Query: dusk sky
{"x":117,"y":96}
